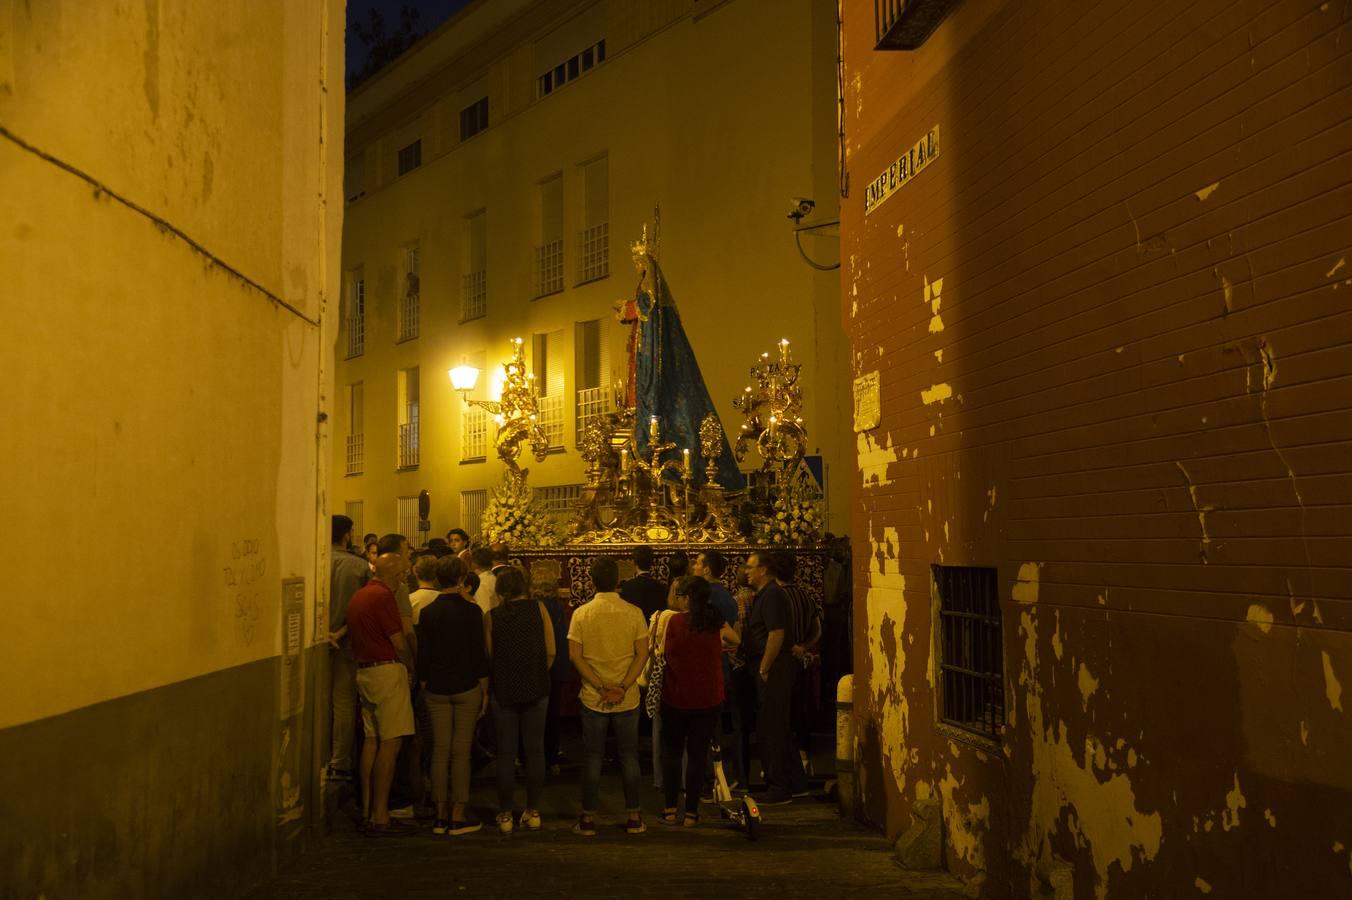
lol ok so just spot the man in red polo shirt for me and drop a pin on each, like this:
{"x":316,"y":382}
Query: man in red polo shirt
{"x":384,"y":668}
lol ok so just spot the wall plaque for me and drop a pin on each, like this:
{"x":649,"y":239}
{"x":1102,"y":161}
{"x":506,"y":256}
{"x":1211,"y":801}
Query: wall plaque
{"x":867,"y":404}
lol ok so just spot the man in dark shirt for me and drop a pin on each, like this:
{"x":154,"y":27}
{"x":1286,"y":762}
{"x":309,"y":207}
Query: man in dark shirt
{"x":805,"y":620}
{"x":384,"y":667}
{"x":643,"y":590}
{"x":768,"y":651}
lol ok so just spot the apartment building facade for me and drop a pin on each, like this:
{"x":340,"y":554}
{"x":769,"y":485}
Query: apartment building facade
{"x":496,"y":175}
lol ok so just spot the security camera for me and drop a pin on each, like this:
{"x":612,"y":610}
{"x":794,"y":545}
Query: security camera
{"x":801,"y":207}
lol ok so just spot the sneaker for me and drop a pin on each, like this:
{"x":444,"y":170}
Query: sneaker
{"x":393,"y":828}
{"x":586,"y":826}
{"x":403,"y":812}
{"x":441,"y":826}
{"x":774,"y":797}
{"x":468,"y":826}
{"x":635,"y":825}
{"x":505,"y":823}
{"x":530,"y":819}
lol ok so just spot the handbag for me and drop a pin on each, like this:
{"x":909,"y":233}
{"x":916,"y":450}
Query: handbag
{"x":657,"y":663}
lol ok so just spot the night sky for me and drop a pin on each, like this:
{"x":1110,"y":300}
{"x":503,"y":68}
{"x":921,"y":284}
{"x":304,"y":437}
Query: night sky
{"x":432,"y":12}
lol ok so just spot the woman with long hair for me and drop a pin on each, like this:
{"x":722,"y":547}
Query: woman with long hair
{"x":692,"y":693}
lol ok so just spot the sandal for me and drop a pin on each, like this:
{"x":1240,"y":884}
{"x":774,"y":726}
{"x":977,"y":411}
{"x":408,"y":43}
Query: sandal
{"x":668,"y":816}
{"x":635,"y":825}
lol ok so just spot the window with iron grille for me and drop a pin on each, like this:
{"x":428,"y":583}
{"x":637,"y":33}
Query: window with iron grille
{"x":356,"y":441}
{"x":474,"y":285}
{"x":408,"y":519}
{"x":473,"y":118}
{"x":408,"y":418}
{"x":594,"y":240}
{"x":559,"y":499}
{"x":971,"y":649}
{"x":570,"y":69}
{"x":474,"y":435}
{"x":356,"y":511}
{"x":472,"y":506}
{"x":410,"y":157}
{"x":591,"y":364}
{"x":549,"y":232}
{"x":356,"y":314}
{"x":547,"y":366}
{"x":408,"y":299}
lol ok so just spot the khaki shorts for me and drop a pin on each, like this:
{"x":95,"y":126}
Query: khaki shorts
{"x":386,"y":711}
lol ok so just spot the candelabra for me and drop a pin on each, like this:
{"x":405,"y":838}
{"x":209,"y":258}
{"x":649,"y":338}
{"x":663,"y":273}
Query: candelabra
{"x":773,"y":412}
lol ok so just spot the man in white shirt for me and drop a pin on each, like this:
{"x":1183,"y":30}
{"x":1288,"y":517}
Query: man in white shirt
{"x":608,"y":645}
{"x":481,"y":560}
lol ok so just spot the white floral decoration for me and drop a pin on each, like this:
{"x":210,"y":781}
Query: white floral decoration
{"x":515,"y":516}
{"x":794,"y":519}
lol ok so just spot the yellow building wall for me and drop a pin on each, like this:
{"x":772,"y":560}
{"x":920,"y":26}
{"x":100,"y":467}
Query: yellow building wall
{"x":168,"y":255}
{"x":721,"y":117}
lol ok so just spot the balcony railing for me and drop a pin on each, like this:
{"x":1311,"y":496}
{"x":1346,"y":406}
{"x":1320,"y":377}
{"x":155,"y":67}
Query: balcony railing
{"x":549,"y":268}
{"x":551,"y":418}
{"x":591,"y":405}
{"x":356,"y":446}
{"x":408,"y":316}
{"x":408,"y":444}
{"x":595,"y":261}
{"x":356,"y":334}
{"x":474,"y":295}
{"x":905,"y":24}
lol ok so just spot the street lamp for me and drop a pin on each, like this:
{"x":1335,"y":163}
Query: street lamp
{"x":463,"y":378}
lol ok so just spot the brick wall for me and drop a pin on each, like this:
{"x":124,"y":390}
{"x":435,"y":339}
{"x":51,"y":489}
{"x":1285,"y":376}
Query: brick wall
{"x":1112,"y":323}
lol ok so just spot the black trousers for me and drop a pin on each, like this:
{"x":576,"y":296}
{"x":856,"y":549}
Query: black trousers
{"x":774,"y":729}
{"x":686,"y":732}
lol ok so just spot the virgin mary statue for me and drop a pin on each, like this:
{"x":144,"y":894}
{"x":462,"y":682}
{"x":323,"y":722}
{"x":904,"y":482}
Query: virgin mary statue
{"x":664,"y":378}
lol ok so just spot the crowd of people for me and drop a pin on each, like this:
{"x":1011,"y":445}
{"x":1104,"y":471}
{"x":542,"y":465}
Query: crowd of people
{"x":450,"y":649}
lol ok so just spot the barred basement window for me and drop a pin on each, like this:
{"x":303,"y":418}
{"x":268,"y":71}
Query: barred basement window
{"x":410,"y":157}
{"x":971,"y":649}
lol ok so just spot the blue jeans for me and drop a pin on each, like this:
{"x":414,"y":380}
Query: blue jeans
{"x":594,"y":726}
{"x":526,"y":720}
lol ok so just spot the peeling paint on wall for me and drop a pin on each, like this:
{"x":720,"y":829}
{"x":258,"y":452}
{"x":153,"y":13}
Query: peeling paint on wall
{"x":874,"y":458}
{"x":1208,"y":190}
{"x":932,"y":298}
{"x":1333,"y":688}
{"x":937,"y":393}
{"x":1099,"y":808}
{"x":886,"y":609}
{"x":1025,"y":588}
{"x":1259,"y":615}
{"x":965,"y":825}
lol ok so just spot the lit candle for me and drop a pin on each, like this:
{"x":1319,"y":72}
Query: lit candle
{"x":624,"y":462}
{"x":685,"y":460}
{"x":652,"y":428}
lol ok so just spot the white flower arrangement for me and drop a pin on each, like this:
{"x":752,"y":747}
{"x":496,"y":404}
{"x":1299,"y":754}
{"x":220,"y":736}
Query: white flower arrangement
{"x":514,"y":516}
{"x":794,"y":519}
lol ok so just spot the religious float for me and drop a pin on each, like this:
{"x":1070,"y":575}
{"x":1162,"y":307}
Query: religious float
{"x":660,"y":469}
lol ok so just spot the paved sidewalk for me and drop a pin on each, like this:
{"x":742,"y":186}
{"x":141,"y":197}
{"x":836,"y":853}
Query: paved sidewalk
{"x":805,"y":850}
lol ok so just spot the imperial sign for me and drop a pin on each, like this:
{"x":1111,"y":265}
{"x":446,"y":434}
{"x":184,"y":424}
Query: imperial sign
{"x":906,"y":167}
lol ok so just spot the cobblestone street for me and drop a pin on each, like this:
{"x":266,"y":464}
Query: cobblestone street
{"x":805,"y":850}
